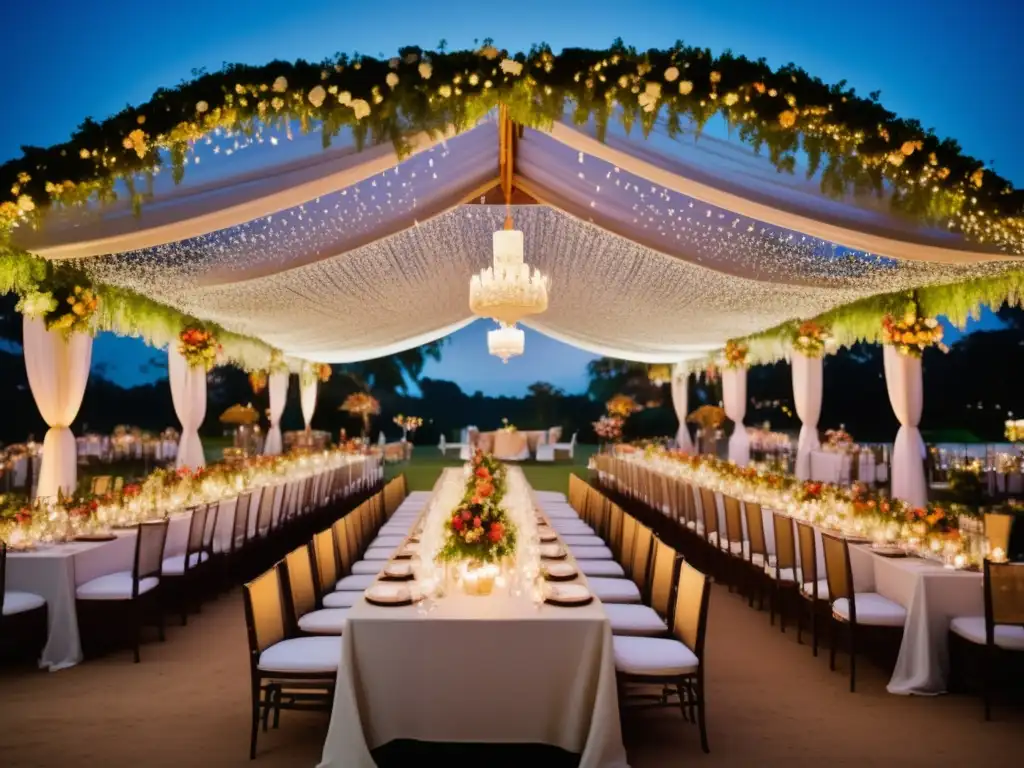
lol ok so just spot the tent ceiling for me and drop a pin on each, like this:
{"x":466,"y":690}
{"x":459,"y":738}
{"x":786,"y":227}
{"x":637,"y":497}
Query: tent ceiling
{"x":648,"y":261}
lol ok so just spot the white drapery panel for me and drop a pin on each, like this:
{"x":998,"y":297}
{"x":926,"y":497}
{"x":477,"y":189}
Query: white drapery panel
{"x":807,"y":393}
{"x":188,"y":391}
{"x":680,"y":401}
{"x":278,"y":389}
{"x":734,"y":399}
{"x":905,"y":383}
{"x":307,"y":398}
{"x":58,"y":369}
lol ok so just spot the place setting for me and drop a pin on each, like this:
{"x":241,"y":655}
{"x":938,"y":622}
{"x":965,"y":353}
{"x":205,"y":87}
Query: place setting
{"x":559,"y":571}
{"x":567,"y":595}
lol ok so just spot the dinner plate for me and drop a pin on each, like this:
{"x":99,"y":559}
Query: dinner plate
{"x":547,"y":534}
{"x":889,"y":551}
{"x":568,"y":594}
{"x":388,"y":595}
{"x":552,"y":551}
{"x":95,"y":537}
{"x":397,"y":572}
{"x":559,"y":571}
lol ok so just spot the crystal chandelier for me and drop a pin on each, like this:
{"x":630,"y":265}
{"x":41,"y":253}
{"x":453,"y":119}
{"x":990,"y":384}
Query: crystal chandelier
{"x":506,"y":341}
{"x":508,"y":291}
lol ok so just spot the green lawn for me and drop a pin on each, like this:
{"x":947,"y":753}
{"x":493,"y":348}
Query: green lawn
{"x":422,"y":471}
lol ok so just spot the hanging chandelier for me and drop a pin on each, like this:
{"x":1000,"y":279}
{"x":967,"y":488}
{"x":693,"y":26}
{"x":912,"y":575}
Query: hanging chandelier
{"x":508,"y":290}
{"x":506,"y":341}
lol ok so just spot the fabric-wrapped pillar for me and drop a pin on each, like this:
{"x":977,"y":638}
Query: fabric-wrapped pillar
{"x":807,"y":392}
{"x":905,"y":383}
{"x":58,"y":369}
{"x":734,"y":398}
{"x":188,"y":391}
{"x":278,"y":388}
{"x":307,"y":396}
{"x":680,"y":393}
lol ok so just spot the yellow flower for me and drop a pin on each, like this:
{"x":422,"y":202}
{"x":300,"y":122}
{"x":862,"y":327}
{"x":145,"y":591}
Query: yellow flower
{"x":685,"y":87}
{"x":84,"y":154}
{"x":787,"y":119}
{"x":391,"y":79}
{"x":280,"y":85}
{"x":26,"y":204}
{"x":730,"y":99}
{"x":671,"y":74}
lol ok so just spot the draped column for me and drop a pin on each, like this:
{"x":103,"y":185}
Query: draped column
{"x":807,"y":392}
{"x":307,"y":396}
{"x":188,"y":391}
{"x":58,"y":369}
{"x":905,"y":383}
{"x":680,"y":394}
{"x":278,"y":388}
{"x":734,"y":398}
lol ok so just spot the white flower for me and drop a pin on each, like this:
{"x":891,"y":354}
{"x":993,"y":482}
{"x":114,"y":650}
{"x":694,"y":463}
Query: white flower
{"x":445,"y":91}
{"x":391,"y":80}
{"x":26,"y":204}
{"x":393,"y":62}
{"x":345,"y":98}
{"x":511,"y":67}
{"x":685,"y":87}
{"x":280,"y":85}
{"x":426,"y":70}
{"x":36,"y":303}
{"x":361,"y":108}
{"x":474,"y":79}
{"x":317,"y":96}
{"x":202,"y":106}
{"x":671,"y":74}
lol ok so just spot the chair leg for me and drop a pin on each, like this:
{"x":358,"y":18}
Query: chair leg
{"x":986,"y":691}
{"x":799,"y":620}
{"x":255,"y":721}
{"x":832,"y":643}
{"x":772,"y":600}
{"x":853,"y":658}
{"x":700,"y":715}
{"x":137,"y":628}
{"x":814,"y":627}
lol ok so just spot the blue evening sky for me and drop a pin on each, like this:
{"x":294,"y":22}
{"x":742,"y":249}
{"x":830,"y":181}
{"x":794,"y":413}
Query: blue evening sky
{"x":955,"y":66}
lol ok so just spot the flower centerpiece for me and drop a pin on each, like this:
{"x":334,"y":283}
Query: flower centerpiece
{"x":364,"y":405}
{"x":609,"y":429}
{"x":736,"y":355}
{"x":408,"y":424}
{"x":507,"y":426}
{"x":838,"y":439}
{"x":199,"y":347}
{"x":1014,"y":430}
{"x":811,"y":339}
{"x":64,"y":306}
{"x":911,"y":335}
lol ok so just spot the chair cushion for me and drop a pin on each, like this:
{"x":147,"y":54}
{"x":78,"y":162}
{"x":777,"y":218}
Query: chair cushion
{"x":653,"y":656}
{"x":328,"y":621}
{"x":591,"y":553}
{"x":785,"y":574}
{"x":601,"y":568}
{"x":342,"y":599}
{"x":610,"y":590}
{"x":758,"y":559}
{"x":364,"y":567}
{"x":114,"y":586}
{"x":356,"y":583}
{"x":302,"y":654}
{"x":972,"y":628}
{"x":637,"y":620}
{"x":549,"y":495}
{"x":175,"y":565}
{"x":19,"y":602}
{"x":420,"y":495}
{"x":572,"y":528}
{"x":585,"y":540}
{"x":388,"y":540}
{"x":808,"y":589}
{"x":872,"y":609}
{"x":561,"y":513}
{"x":379,"y":553}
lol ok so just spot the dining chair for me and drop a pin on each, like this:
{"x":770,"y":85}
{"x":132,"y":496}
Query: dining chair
{"x":330,"y":597}
{"x":852,"y":610}
{"x":286,"y":672}
{"x":756,"y":552}
{"x":813,"y":589}
{"x":23,"y":616}
{"x":300,"y":597}
{"x":618,"y":590}
{"x":238,"y":547}
{"x":733,"y":544}
{"x":675,"y":661}
{"x":179,"y":571}
{"x":651,"y":620}
{"x":782,"y":568}
{"x":133,"y":591}
{"x":1001,"y":630}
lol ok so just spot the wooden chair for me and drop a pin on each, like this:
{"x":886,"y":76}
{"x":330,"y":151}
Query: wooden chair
{"x":179,"y":571}
{"x":297,"y":673}
{"x":653,"y":620}
{"x":783,"y":571}
{"x":676,"y":662}
{"x":813,"y":590}
{"x":618,"y":590}
{"x":23,"y":617}
{"x":301,"y":591}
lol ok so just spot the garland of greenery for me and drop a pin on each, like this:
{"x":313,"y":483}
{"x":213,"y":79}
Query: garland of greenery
{"x":855,"y":142}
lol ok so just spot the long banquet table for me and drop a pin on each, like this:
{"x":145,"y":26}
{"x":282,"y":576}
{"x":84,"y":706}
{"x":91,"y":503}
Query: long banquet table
{"x":504,"y":668}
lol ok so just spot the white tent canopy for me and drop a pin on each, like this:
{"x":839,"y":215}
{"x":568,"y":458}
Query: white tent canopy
{"x":659,"y":250}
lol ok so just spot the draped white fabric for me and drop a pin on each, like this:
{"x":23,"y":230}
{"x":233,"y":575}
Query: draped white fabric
{"x":307,"y":398}
{"x":807,"y":392}
{"x":734,"y":399}
{"x":278,"y":389}
{"x":188,"y":391}
{"x":58,"y":369}
{"x":680,"y":393}
{"x":905,"y":383}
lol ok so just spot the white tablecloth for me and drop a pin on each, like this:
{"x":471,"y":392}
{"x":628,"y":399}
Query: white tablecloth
{"x":476,"y":669}
{"x":835,"y":467}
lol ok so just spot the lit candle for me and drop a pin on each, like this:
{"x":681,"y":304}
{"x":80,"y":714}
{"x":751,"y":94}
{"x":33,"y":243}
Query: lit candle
{"x":960,"y":561}
{"x":998,"y":555}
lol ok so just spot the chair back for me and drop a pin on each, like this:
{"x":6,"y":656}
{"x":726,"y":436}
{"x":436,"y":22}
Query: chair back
{"x":240,"y":522}
{"x":708,"y":511}
{"x":785,"y":543}
{"x":689,"y":623}
{"x":1004,"y":596}
{"x":997,"y":531}
{"x":264,"y":612}
{"x":298,"y":574}
{"x":265,"y":513}
{"x":628,"y":538}
{"x":664,"y":574}
{"x":150,"y":539}
{"x":755,"y":531}
{"x":837,"y":570}
{"x":276,"y":513}
{"x":599,"y":504}
{"x":196,"y":533}
{"x":808,"y":554}
{"x":641,"y":556}
{"x":212,"y":518}
{"x":733,"y":519}
{"x":326,"y":561}
{"x":615,"y":515}
{"x":341,"y":532}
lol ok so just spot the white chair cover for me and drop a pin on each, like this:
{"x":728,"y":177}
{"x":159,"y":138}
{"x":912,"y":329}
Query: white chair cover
{"x":278,"y":389}
{"x":58,"y":369}
{"x":188,"y":391}
{"x":680,"y":395}
{"x":905,"y":384}
{"x":307,"y":397}
{"x":807,"y":391}
{"x":734,"y":399}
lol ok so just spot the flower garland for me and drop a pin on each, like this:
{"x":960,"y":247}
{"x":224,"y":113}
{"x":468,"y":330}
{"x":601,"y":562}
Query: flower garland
{"x":199,"y":347}
{"x":479,"y":530}
{"x":911,"y":335}
{"x":736,"y":355}
{"x":855,"y":141}
{"x":811,"y":339}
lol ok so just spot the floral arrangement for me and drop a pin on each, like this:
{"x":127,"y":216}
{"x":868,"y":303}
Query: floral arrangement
{"x":659,"y":374}
{"x":65,"y":308}
{"x":1014,"y":430}
{"x":736,"y":355}
{"x":911,"y":335}
{"x":258,"y":381}
{"x":312,"y":372}
{"x":507,"y":426}
{"x":707,"y":417}
{"x":408,"y":423}
{"x":838,"y":439}
{"x":811,"y":339}
{"x":608,"y":428}
{"x":479,"y":530}
{"x":364,"y":405}
{"x":622,"y":406}
{"x":199,"y":347}
{"x":323,"y":372}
